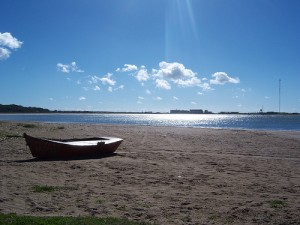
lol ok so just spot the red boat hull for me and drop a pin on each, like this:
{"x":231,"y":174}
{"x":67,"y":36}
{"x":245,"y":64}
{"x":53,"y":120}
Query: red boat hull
{"x":71,"y":148}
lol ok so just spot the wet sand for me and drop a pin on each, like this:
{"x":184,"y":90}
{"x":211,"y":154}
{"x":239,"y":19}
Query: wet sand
{"x":162,"y":175}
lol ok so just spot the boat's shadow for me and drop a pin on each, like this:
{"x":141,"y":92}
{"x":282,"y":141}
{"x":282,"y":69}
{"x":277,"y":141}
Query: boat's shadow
{"x":64,"y":159}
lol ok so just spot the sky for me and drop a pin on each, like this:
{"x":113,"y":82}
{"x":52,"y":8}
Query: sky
{"x":151,"y":55}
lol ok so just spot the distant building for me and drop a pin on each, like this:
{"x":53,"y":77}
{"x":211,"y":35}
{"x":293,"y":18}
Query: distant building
{"x":191,"y":111}
{"x":229,"y":113}
{"x":207,"y":112}
{"x":196,"y":111}
{"x":177,"y":111}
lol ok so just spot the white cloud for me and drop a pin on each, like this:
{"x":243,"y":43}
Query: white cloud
{"x":107,"y":80}
{"x":4,"y":53}
{"x":127,"y":68}
{"x":82,"y":98}
{"x":67,"y":68}
{"x":158,"y":98}
{"x":205,"y":86}
{"x":166,"y":74}
{"x":7,"y":42}
{"x":75,"y":68}
{"x":141,"y":98}
{"x":63,"y":68}
{"x":121,"y":87}
{"x":193,"y":103}
{"x":222,"y":78}
{"x":177,"y":73}
{"x":162,"y":84}
{"x":96,"y":88}
{"x":142,"y":75}
{"x":94,"y":79}
{"x":194,"y":81}
{"x":174,"y":71}
{"x":164,"y":77}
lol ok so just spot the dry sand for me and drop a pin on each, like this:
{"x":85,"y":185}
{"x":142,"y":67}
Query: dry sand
{"x":162,"y":175}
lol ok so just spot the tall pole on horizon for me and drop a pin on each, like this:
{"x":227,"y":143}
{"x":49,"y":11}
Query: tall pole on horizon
{"x":279,"y":94}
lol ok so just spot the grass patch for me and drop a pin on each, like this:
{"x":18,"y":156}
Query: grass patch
{"x":213,"y":217}
{"x":277,"y":204}
{"x":43,"y":188}
{"x":146,"y":205}
{"x":4,"y":134}
{"x":229,"y":220}
{"x":100,"y":201}
{"x":121,"y":208}
{"x":13,"y":219}
{"x":27,"y":125}
{"x":46,"y":188}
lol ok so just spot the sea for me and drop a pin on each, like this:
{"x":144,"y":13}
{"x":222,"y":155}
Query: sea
{"x":277,"y":122}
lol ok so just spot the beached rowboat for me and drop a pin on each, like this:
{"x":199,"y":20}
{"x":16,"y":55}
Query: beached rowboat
{"x":71,"y":148}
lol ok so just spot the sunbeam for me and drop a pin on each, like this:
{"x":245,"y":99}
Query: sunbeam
{"x":180,"y":28}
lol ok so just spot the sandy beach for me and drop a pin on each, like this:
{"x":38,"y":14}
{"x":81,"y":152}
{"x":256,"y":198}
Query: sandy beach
{"x":161,"y":175}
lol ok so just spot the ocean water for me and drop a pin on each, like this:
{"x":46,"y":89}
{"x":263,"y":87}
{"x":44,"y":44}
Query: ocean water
{"x":252,"y":122}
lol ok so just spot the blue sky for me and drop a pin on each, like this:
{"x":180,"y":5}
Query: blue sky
{"x":150,"y":55}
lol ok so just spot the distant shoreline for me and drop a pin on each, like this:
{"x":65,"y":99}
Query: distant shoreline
{"x":143,"y":113}
{"x":18,"y":109}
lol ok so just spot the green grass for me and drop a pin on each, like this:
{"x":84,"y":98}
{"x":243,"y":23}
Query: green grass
{"x":27,"y":125}
{"x":4,"y":134}
{"x":229,"y":220}
{"x":46,"y":188}
{"x":218,"y":219}
{"x":277,"y":204}
{"x":100,"y":201}
{"x":13,"y":219}
{"x":213,"y":217}
{"x":121,"y":208}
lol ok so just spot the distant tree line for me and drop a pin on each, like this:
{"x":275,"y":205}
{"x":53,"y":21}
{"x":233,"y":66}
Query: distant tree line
{"x":21,"y":109}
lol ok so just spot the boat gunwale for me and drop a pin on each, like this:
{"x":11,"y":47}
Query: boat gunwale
{"x":79,"y":141}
